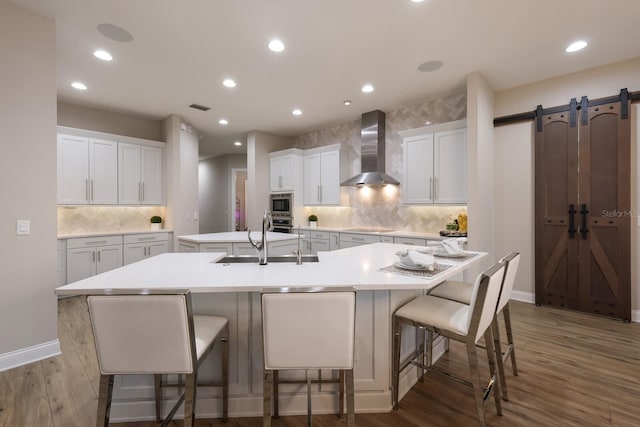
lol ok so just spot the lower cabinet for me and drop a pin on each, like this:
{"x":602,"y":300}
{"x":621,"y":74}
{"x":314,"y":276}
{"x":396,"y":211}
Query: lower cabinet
{"x":350,"y":240}
{"x":87,"y":256}
{"x":141,"y":246}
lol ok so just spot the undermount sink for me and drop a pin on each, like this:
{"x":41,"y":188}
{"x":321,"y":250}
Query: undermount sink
{"x":248,"y":259}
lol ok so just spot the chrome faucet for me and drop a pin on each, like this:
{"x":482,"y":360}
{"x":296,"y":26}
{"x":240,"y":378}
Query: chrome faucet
{"x":261,"y":247}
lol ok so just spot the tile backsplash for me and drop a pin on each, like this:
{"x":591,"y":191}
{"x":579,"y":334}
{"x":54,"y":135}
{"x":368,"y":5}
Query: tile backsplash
{"x":382,"y":207}
{"x":99,"y":219}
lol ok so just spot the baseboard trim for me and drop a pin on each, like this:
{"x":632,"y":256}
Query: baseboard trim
{"x":24,"y":356}
{"x":523,"y":296}
{"x":635,"y":316}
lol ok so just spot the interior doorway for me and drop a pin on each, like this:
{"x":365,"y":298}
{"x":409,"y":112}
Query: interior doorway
{"x":238,"y":217}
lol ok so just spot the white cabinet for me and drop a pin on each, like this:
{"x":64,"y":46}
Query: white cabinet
{"x":324,"y":169}
{"x":410,"y":241}
{"x":88,"y":256}
{"x":141,"y":246}
{"x":140,"y":175}
{"x":87,"y":170}
{"x":226,"y":248}
{"x":435,"y":164}
{"x":285,"y":170}
{"x":317,"y":241}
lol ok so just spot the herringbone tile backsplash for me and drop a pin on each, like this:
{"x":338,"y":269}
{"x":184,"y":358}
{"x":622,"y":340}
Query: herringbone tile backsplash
{"x":382,"y":207}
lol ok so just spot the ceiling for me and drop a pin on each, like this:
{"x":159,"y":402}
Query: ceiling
{"x":182,"y":51}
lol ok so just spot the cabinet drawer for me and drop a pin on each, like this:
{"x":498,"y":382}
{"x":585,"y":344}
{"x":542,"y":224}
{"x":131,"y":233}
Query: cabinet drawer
{"x":146,"y":237}
{"x":313,"y":234}
{"x":359,"y":238}
{"x":386,"y":239}
{"x":85,"y":242}
{"x":409,"y":241}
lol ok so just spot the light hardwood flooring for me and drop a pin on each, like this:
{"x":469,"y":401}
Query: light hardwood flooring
{"x":575,"y":370}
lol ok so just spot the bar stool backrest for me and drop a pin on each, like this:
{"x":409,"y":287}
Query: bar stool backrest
{"x":512,"y":260}
{"x":484,"y":299}
{"x":305,"y":330}
{"x":143,"y":333}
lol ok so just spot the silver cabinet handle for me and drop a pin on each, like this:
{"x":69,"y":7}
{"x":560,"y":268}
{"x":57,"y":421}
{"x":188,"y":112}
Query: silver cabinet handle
{"x":358,"y":239}
{"x":144,"y":250}
{"x":139,"y":191}
{"x":435,"y":188}
{"x":430,"y":187}
{"x":99,"y":256}
{"x":93,"y":256}
{"x":97,"y":242}
{"x":86,"y":190}
{"x":142,"y":200}
{"x":91,"y":194}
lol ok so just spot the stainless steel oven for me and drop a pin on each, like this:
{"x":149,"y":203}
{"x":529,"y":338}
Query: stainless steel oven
{"x":283,"y":225}
{"x":281,"y":205}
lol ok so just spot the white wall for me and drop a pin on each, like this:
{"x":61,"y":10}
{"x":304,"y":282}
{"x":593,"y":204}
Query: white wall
{"x":514,"y":163}
{"x":259,"y":144}
{"x":182,"y":210}
{"x":480,"y":168}
{"x":28,"y":309}
{"x":215,"y":181}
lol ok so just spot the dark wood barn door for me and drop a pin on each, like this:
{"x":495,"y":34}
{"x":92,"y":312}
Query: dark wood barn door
{"x":582,"y":197}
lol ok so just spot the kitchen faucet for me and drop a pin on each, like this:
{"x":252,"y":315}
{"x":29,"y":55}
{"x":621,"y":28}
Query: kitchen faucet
{"x":261,"y":247}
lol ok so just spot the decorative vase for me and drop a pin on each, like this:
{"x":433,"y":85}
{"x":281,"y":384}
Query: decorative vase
{"x":313,"y":224}
{"x":156,"y":226}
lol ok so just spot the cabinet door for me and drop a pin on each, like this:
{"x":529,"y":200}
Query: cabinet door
{"x":319,"y":245}
{"x":103,"y":170}
{"x":287,"y":173}
{"x":108,"y":258}
{"x":334,"y":241}
{"x":152,"y":175}
{"x":129,"y":179}
{"x":134,"y":252}
{"x":330,"y":178}
{"x":409,"y":241}
{"x":73,"y":170}
{"x":243,"y":249}
{"x":450,"y":166}
{"x":417,"y":185}
{"x":157,"y":248}
{"x":227,"y":248}
{"x":275,"y":173}
{"x":312,"y":182}
{"x":81,"y":263}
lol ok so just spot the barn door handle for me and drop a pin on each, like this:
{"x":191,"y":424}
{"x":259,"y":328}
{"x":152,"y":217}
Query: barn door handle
{"x":583,"y":228}
{"x":572,"y":221}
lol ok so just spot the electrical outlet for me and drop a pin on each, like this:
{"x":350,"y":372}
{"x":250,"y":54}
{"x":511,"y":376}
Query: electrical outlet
{"x":23,"y":227}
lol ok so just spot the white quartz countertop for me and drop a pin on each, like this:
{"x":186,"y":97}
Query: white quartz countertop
{"x":364,"y":230}
{"x":112,"y":233}
{"x":236,"y":237}
{"x":357,"y":267}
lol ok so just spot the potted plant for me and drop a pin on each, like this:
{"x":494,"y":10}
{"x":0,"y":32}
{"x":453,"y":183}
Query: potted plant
{"x":156,"y":222}
{"x":313,"y":221}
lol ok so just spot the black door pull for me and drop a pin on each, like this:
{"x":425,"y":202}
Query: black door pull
{"x":583,"y":228}
{"x":572,"y":221}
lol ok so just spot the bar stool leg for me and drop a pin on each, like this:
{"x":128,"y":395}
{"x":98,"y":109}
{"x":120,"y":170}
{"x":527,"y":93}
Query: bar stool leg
{"x":308,"y":380}
{"x":225,"y":375}
{"x":475,"y":381}
{"x":341,"y":385}
{"x":491,"y":356}
{"x":506,"y":312}
{"x":397,"y":340}
{"x":157,"y":379}
{"x":420,"y":352}
{"x":276,"y":395}
{"x":266,"y":398}
{"x":104,"y":400}
{"x":500,"y":362}
{"x":189,"y":399}
{"x":351,"y":418}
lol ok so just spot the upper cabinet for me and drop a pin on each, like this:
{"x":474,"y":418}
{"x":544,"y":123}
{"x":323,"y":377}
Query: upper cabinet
{"x":110,"y":170}
{"x":285,"y":168}
{"x":435,"y":164}
{"x":324,"y":169}
{"x":87,"y":170}
{"x":140,"y":175}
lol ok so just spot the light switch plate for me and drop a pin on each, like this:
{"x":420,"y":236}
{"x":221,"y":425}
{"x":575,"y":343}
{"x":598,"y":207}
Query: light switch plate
{"x":23,"y":226}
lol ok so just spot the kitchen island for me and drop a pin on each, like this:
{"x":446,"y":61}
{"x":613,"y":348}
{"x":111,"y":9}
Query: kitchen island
{"x":237,"y":243}
{"x":233,"y":291}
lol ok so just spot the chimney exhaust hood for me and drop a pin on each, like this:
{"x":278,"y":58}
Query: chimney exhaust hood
{"x":372,"y":155}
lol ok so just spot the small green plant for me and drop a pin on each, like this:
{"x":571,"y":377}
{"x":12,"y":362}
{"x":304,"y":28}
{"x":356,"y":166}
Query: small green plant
{"x":313,"y":218}
{"x":156,"y":220}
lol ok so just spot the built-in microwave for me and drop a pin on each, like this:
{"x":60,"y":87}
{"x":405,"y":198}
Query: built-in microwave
{"x":281,"y":205}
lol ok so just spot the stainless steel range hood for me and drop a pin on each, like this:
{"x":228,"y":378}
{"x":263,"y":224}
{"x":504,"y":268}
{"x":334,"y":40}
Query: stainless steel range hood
{"x":372,"y":156}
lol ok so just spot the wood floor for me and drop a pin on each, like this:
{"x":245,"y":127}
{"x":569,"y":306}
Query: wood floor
{"x":575,"y":370}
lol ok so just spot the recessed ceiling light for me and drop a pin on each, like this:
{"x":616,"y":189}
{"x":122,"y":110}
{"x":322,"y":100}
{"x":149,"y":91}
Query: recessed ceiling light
{"x":237,"y":143}
{"x":347,"y":102}
{"x":103,"y":54}
{"x":276,"y":45}
{"x":223,"y":121}
{"x":429,"y":66}
{"x":367,"y":88}
{"x":229,"y":83}
{"x":296,"y":112}
{"x":115,"y":33}
{"x":576,"y":46}
{"x":79,"y":86}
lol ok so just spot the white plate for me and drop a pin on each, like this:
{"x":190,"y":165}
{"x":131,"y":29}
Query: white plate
{"x":411,"y":267}
{"x":445,"y":254}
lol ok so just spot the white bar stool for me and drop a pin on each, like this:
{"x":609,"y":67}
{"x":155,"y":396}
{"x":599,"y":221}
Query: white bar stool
{"x":459,"y":322}
{"x":461,"y":292}
{"x":144,"y":332}
{"x":309,"y":329}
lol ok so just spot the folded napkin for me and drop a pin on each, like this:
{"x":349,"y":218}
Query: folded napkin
{"x":416,"y":259}
{"x":452,"y":247}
